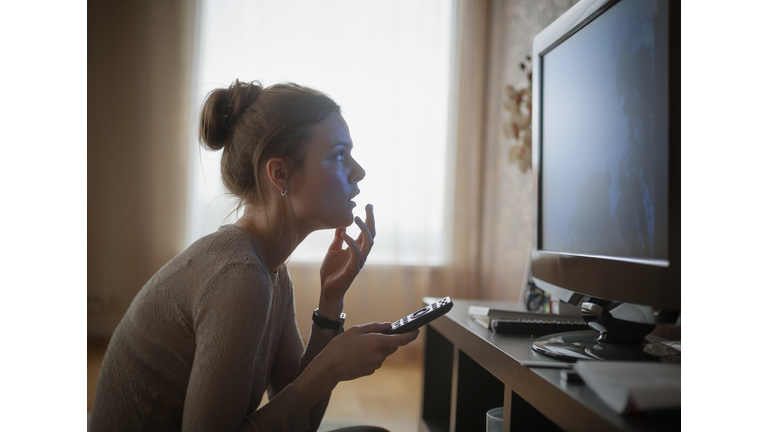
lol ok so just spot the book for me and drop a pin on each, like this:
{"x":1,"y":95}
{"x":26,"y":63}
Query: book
{"x":485,"y":315}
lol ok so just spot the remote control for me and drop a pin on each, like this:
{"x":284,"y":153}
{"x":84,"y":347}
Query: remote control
{"x":420,"y":317}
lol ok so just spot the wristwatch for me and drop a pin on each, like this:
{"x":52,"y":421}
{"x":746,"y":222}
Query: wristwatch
{"x":325,"y":323}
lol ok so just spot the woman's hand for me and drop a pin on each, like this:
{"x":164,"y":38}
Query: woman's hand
{"x":362,"y":349}
{"x":355,"y":353}
{"x":341,"y":266}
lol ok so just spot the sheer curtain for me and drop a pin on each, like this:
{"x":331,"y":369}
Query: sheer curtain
{"x":396,"y":68}
{"x":387,"y":64}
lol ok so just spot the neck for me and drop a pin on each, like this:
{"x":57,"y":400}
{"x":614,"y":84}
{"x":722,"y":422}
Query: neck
{"x":274,"y":231}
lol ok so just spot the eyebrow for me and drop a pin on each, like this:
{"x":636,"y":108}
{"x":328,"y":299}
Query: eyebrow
{"x":343,"y":144}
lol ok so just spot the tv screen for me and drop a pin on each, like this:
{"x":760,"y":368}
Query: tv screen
{"x":605,"y":138}
{"x":606,"y":154}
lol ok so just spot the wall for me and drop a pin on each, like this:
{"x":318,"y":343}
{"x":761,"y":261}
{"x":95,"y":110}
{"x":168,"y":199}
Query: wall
{"x":139,"y":72}
{"x":507,"y":202}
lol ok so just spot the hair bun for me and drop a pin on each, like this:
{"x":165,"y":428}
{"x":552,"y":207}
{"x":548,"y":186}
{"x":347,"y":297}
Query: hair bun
{"x":222,"y":110}
{"x":240,"y":96}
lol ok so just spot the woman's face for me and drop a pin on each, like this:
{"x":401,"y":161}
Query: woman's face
{"x":322,"y":192}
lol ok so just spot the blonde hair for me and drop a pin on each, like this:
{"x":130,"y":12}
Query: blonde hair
{"x":254,"y":124}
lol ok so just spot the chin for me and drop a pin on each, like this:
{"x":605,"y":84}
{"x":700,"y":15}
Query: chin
{"x":348,"y":221}
{"x":340,"y":221}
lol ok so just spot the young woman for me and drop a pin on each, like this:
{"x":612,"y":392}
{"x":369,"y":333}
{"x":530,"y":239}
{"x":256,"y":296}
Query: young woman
{"x":215,"y":328}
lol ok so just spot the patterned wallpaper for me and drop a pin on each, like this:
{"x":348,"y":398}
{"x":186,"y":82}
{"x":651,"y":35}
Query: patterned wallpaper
{"x":507,"y":193}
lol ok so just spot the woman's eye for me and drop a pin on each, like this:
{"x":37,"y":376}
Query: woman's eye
{"x":340,"y":155}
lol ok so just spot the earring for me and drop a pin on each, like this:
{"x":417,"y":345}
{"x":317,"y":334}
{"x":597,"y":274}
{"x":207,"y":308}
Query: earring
{"x":285,"y":192}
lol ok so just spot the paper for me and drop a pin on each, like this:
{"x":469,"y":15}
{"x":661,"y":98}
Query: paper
{"x":629,"y":387}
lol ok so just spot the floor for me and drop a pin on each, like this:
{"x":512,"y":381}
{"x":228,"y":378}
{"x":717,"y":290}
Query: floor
{"x":390,"y":398}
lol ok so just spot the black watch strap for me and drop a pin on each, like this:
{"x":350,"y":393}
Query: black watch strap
{"x":325,"y":323}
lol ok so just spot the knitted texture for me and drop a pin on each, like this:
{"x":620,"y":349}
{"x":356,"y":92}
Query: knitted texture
{"x":201,"y":343}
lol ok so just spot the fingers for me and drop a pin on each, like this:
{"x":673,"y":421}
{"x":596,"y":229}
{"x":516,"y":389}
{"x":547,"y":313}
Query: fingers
{"x":352,"y":245}
{"x":367,"y":233}
{"x":399,"y":340}
{"x":370,"y":221}
{"x":362,"y":349}
{"x":394,"y":341}
{"x":369,"y":226}
{"x":337,"y":239}
{"x":365,"y":239}
{"x":374,"y":327}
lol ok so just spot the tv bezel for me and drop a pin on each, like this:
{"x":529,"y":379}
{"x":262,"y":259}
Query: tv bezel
{"x":616,"y":279}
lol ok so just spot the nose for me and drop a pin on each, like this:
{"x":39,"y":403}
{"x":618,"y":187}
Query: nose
{"x":358,"y":173}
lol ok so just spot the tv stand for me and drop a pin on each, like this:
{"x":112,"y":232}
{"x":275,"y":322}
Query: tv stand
{"x":468,"y":370}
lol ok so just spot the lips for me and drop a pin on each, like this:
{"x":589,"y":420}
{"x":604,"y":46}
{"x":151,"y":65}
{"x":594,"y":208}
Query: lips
{"x":356,"y":193}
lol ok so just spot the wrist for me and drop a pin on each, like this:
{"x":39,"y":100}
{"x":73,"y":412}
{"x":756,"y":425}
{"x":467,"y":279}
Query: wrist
{"x":330,"y":308}
{"x":330,"y":327}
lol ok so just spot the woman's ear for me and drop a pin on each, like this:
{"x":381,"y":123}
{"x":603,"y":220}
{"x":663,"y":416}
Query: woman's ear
{"x":277,"y":171}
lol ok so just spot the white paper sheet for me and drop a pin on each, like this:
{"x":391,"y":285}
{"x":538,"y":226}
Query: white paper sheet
{"x":633,"y":386}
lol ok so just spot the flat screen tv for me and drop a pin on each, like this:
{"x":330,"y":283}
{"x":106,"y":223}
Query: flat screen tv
{"x":606,"y":168}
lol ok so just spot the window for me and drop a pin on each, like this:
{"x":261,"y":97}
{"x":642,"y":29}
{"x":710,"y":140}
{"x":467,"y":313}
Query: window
{"x":387,"y":63}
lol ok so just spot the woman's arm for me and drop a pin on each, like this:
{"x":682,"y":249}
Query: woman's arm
{"x":341,"y":266}
{"x":355,"y":353}
{"x":292,"y":358}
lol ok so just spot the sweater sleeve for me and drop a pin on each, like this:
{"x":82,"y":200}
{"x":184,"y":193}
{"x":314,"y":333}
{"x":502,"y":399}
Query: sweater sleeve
{"x":292,"y":358}
{"x":230,"y":325}
{"x":285,"y":412}
{"x":317,"y":342}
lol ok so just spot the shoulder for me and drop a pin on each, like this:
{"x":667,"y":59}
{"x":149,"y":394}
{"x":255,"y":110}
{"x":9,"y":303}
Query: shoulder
{"x":229,"y":243}
{"x":243,"y":282}
{"x":238,"y":297}
{"x":233,"y":266}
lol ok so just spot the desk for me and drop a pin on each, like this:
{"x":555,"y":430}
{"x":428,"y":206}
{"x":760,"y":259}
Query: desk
{"x":468,"y":370}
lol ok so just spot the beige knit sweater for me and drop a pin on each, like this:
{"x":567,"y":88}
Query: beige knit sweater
{"x":202,"y":341}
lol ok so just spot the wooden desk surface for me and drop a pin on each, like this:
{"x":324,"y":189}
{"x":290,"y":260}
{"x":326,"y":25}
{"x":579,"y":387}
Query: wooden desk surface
{"x":572,"y":406}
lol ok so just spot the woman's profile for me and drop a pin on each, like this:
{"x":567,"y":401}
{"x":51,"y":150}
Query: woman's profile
{"x":215,"y":328}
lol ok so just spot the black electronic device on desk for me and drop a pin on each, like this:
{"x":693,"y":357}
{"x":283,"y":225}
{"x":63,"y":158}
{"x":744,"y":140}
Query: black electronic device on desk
{"x":540,"y":326}
{"x":605,"y":132}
